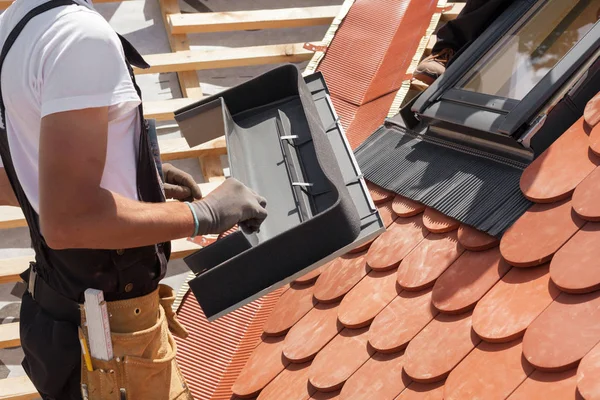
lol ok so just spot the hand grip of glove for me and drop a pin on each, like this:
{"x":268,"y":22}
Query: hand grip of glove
{"x":230,"y":204}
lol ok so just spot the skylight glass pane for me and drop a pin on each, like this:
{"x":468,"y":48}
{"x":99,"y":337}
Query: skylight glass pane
{"x":527,"y":53}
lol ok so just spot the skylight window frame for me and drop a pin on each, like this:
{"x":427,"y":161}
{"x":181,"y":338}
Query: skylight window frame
{"x":444,"y":101}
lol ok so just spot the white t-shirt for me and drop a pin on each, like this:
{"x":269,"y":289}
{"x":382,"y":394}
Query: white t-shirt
{"x":68,"y":58}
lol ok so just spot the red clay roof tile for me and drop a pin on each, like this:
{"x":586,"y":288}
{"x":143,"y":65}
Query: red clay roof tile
{"x":539,"y":233}
{"x":312,"y":333}
{"x":360,"y":306}
{"x":292,"y":305}
{"x":512,"y":304}
{"x":592,"y":111}
{"x":439,"y":347}
{"x":574,"y":268}
{"x":401,"y":321}
{"x":461,"y":286}
{"x":423,"y":391}
{"x":339,"y":360}
{"x":386,"y":212}
{"x":428,"y":261}
{"x":340,"y":277}
{"x":595,"y":140}
{"x":437,"y":222}
{"x":265,"y":363}
{"x":564,"y":333}
{"x":326,"y":396}
{"x":405,"y":207}
{"x":585,"y":197}
{"x":379,"y":378}
{"x":491,"y":371}
{"x":475,"y":240}
{"x":290,"y":384}
{"x":312,"y":275}
{"x":378,"y":194}
{"x":396,"y":243}
{"x":588,"y":374}
{"x":555,"y":174}
{"x":547,"y":385}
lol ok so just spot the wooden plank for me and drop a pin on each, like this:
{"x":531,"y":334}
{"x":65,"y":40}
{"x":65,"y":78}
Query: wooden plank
{"x":453,"y":10}
{"x":10,"y":268}
{"x":225,"y":58}
{"x":188,"y":80}
{"x":164,"y":110}
{"x":19,"y":388}
{"x":9,"y":335}
{"x":177,"y":149}
{"x":248,"y":20}
{"x":212,"y":169}
{"x":11,"y":217}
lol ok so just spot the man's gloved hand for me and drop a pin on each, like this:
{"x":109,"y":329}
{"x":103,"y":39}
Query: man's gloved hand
{"x":230,"y":204}
{"x":180,"y":185}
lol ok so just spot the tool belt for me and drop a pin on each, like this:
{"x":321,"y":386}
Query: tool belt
{"x":142,"y":329}
{"x":144,"y":365}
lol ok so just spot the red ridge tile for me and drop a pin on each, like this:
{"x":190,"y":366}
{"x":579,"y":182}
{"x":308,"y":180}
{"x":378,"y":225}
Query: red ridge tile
{"x":428,"y":260}
{"x":367,"y":299}
{"x":437,"y":222}
{"x":475,"y":240}
{"x":291,"y":384}
{"x":439,"y":347}
{"x":312,"y":333}
{"x":585,"y":198}
{"x":405,"y":207}
{"x":312,"y":275}
{"x":265,"y":363}
{"x":379,"y":378}
{"x":379,"y":194}
{"x":339,"y":360}
{"x":557,"y":171}
{"x":401,"y":321}
{"x":292,"y":305}
{"x":547,"y":385}
{"x":423,"y":391}
{"x":588,"y":374}
{"x":461,"y":286}
{"x":592,"y":111}
{"x":491,"y":371}
{"x":340,"y":277}
{"x":395,"y":244}
{"x":539,"y":233}
{"x":564,"y":333}
{"x":575,"y":268}
{"x":512,"y":304}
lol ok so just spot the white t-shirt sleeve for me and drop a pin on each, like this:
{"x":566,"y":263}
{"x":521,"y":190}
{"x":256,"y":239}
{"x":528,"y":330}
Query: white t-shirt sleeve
{"x":83,"y":66}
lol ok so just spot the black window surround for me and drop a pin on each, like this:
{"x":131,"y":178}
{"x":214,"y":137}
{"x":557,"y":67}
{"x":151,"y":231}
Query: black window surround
{"x":506,"y":119}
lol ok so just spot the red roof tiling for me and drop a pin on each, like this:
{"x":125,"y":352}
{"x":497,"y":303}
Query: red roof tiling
{"x":432,"y":309}
{"x":437,"y":222}
{"x":378,"y":194}
{"x":588,"y":374}
{"x":405,"y":207}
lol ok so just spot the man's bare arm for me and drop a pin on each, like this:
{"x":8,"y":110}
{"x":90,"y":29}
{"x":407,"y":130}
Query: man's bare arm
{"x":75,"y":212}
{"x":7,"y":196}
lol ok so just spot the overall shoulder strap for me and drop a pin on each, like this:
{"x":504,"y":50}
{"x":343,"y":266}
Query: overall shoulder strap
{"x":30,"y":214}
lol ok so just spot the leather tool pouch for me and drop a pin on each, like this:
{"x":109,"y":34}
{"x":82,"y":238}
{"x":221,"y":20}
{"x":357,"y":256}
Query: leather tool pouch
{"x":144,"y":365}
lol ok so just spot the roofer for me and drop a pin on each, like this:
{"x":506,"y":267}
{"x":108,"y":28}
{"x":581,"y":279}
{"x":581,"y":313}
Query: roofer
{"x":77,"y":153}
{"x":455,"y":35}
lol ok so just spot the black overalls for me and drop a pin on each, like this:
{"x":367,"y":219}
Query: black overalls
{"x":56,"y":281}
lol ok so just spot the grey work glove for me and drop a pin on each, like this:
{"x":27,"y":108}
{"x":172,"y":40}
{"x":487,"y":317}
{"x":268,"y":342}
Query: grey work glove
{"x":230,"y":204}
{"x":180,"y":185}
